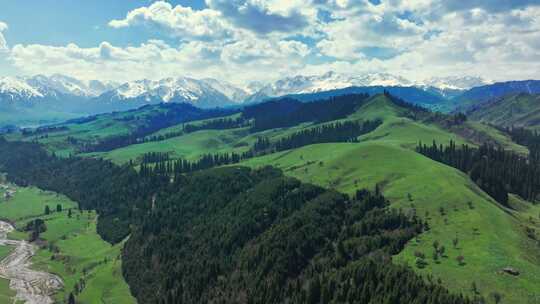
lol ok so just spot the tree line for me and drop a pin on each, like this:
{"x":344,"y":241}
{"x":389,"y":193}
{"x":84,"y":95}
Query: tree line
{"x":214,"y":124}
{"x":287,"y":112}
{"x":161,"y":163}
{"x":166,"y":116}
{"x":527,"y":138}
{"x":333,"y":132}
{"x":234,"y":235}
{"x":494,"y":170}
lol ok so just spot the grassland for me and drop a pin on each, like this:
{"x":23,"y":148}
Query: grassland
{"x":6,"y":294}
{"x":72,"y":248}
{"x":490,"y":237}
{"x":189,"y":146}
{"x":515,"y":110}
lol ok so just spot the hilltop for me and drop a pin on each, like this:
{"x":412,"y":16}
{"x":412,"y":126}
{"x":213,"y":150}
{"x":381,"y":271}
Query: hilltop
{"x":520,"y":110}
{"x":382,"y":156}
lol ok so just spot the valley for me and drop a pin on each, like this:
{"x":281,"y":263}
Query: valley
{"x":68,"y":258}
{"x":270,"y":152}
{"x":453,"y":206}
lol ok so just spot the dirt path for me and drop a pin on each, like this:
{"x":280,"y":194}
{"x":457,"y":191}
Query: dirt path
{"x":31,"y":287}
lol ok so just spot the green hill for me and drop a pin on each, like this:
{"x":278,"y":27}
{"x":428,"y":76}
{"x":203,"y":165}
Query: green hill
{"x":490,"y":237}
{"x":521,"y":110}
{"x":70,"y":248}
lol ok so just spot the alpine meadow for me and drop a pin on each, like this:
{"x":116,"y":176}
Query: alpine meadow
{"x":270,"y":151}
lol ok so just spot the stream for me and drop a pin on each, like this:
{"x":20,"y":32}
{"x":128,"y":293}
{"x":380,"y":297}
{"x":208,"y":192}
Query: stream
{"x":31,"y":287}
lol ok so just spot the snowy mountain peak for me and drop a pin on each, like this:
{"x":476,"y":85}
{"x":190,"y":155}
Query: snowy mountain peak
{"x":455,"y":82}
{"x":69,"y":85}
{"x":234,"y":93}
{"x":329,"y":81}
{"x":17,"y":88}
{"x":165,"y":89}
{"x":205,"y":92}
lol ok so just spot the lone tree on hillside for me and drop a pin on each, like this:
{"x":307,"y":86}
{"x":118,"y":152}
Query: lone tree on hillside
{"x":58,"y":208}
{"x":69,"y":213}
{"x":455,"y":242}
{"x":47,"y":210}
{"x":497,"y":297}
{"x":71,"y":299}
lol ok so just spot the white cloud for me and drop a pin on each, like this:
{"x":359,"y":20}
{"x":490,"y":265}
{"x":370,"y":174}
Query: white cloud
{"x":241,"y":61}
{"x":246,"y":40}
{"x":179,"y":21}
{"x":266,"y":16}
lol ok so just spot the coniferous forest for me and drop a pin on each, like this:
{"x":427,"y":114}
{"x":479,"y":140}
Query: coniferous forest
{"x":236,"y":235}
{"x":494,"y":170}
{"x":335,"y":132}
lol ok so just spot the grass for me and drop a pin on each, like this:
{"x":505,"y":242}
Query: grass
{"x":30,"y":202}
{"x":499,"y":242}
{"x":490,"y":237}
{"x":73,"y":249}
{"x":189,"y":146}
{"x":521,"y":110}
{"x":6,"y":294}
{"x":4,"y":251}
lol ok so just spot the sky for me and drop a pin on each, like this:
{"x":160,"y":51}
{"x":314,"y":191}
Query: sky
{"x":241,"y":41}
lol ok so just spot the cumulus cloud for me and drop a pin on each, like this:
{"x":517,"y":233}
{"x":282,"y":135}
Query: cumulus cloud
{"x":3,"y":43}
{"x":179,"y":21}
{"x":241,"y":61}
{"x":266,"y":16}
{"x":245,"y":40}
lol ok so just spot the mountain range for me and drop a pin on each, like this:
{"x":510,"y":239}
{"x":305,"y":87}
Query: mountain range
{"x":83,"y":97}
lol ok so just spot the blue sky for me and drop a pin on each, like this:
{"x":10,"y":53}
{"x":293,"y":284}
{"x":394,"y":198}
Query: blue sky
{"x":59,"y":22}
{"x":246,"y":40}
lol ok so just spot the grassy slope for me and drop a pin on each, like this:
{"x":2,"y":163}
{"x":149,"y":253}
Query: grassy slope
{"x":103,"y":126}
{"x":6,"y":294}
{"x":384,"y":158}
{"x":81,"y":250}
{"x":189,"y":146}
{"x":521,"y":110}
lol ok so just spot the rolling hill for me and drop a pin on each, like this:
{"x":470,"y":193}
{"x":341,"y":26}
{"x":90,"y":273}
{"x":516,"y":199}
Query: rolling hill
{"x":492,"y":92}
{"x":490,"y":236}
{"x":520,"y":110}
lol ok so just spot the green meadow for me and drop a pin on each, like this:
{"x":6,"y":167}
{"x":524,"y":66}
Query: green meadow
{"x":489,"y":236}
{"x":89,"y":266}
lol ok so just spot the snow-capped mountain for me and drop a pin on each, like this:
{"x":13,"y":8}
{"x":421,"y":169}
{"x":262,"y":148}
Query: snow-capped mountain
{"x":15,"y":88}
{"x":327,"y":82}
{"x":69,"y":85}
{"x":455,"y":82}
{"x":50,"y":87}
{"x":204,"y":93}
{"x":452,"y":86}
{"x":234,"y":93}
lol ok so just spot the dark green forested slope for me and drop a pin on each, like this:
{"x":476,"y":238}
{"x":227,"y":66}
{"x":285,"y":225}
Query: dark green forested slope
{"x":232,"y":235}
{"x":521,"y":110}
{"x":235,"y":235}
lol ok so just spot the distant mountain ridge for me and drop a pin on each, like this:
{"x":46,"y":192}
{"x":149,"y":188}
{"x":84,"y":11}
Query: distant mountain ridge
{"x":205,"y":93}
{"x":41,"y":86}
{"x":81,"y":97}
{"x":520,"y":110}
